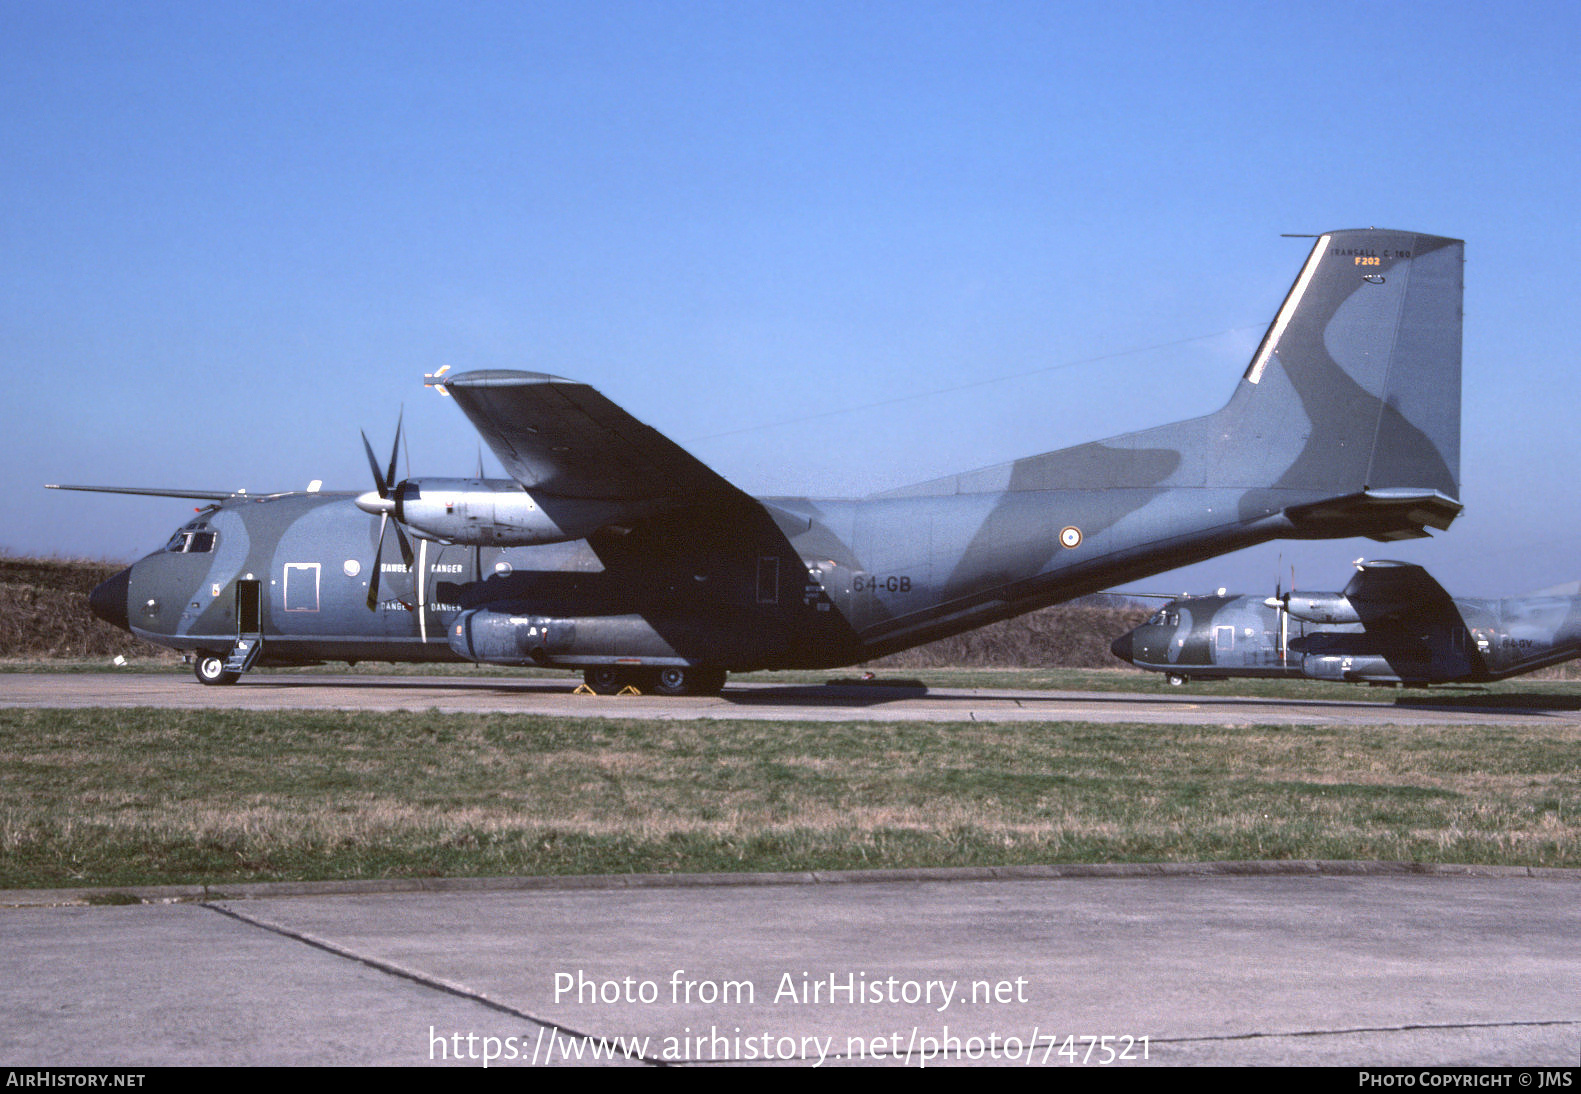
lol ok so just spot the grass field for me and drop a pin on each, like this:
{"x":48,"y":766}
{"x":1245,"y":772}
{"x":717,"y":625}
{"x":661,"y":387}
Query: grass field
{"x":142,"y":796}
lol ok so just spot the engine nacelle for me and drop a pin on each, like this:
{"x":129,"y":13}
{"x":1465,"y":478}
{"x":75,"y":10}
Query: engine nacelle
{"x":1321,"y":608}
{"x":497,"y":513}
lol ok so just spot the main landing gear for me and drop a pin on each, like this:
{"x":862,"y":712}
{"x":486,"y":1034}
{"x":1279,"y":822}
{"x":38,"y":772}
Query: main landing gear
{"x":670,"y":680}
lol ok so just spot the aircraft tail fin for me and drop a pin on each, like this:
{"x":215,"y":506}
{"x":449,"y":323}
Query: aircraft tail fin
{"x":1369,"y":341}
{"x":1353,"y":397}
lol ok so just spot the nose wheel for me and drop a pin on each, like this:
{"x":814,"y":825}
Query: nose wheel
{"x":1177,"y":679}
{"x":210,"y":669}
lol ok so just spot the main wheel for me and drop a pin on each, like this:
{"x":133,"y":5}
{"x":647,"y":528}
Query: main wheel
{"x":673,"y":681}
{"x":209,"y":668}
{"x":684,"y":681}
{"x":1176,"y":679}
{"x":606,"y":679}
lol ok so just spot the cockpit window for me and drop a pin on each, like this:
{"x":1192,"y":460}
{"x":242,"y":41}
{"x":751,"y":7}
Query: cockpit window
{"x":190,"y":541}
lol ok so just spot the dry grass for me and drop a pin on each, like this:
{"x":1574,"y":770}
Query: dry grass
{"x":44,"y":611}
{"x":142,"y":796}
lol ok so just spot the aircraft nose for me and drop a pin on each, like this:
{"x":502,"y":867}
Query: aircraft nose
{"x":1121,"y":647}
{"x":108,"y":600}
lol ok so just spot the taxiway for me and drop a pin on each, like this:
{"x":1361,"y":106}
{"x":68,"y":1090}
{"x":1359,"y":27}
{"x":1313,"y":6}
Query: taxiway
{"x":744,"y":700}
{"x":1193,"y":966}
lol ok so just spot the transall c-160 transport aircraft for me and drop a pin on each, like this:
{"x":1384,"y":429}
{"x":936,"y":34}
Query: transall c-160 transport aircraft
{"x":1392,"y":624}
{"x":614,"y":551}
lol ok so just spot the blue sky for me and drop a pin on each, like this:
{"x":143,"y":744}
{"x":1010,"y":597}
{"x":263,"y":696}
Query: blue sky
{"x":231,"y":236}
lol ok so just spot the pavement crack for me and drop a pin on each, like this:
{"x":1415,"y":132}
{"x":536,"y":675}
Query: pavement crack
{"x":1407,"y":1027}
{"x":427,"y":980}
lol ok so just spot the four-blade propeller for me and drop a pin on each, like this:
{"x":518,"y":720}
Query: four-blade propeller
{"x":382,"y":500}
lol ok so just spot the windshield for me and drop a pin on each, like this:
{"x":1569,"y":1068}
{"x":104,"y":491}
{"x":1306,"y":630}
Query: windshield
{"x":191,"y":539}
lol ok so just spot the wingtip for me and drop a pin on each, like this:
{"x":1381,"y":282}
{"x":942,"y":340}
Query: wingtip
{"x":503,"y":378}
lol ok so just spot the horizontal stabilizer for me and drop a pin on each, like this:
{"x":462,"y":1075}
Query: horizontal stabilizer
{"x":1384,"y":515}
{"x":200,"y":495}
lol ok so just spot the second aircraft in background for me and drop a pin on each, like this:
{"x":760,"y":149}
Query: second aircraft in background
{"x":1392,"y":624}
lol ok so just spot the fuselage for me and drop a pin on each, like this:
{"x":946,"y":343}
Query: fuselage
{"x":794,"y":583}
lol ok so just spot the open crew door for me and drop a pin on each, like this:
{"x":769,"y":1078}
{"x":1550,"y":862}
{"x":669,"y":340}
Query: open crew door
{"x":249,"y":626}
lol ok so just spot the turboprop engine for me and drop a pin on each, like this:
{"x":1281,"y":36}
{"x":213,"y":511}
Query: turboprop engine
{"x":495,"y":512}
{"x":1317,"y":607}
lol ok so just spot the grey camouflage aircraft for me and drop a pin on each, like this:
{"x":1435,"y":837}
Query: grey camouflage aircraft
{"x":1392,"y":624}
{"x":614,"y":551}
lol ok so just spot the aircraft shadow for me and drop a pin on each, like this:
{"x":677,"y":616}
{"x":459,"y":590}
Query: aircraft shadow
{"x":832,"y":694}
{"x":1539,"y":701}
{"x":852,"y":693}
{"x":857,"y":694}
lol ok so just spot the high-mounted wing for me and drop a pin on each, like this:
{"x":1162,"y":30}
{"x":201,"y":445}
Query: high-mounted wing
{"x":1412,"y":629}
{"x":1387,"y":593}
{"x":563,"y":439}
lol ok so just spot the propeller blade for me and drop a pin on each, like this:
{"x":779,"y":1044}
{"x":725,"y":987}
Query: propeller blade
{"x":378,"y":555}
{"x":395,"y":451}
{"x":406,"y":548}
{"x":373,"y":465}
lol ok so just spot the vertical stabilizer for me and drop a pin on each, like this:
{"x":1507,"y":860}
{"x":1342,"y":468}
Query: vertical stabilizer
{"x":1368,"y":343}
